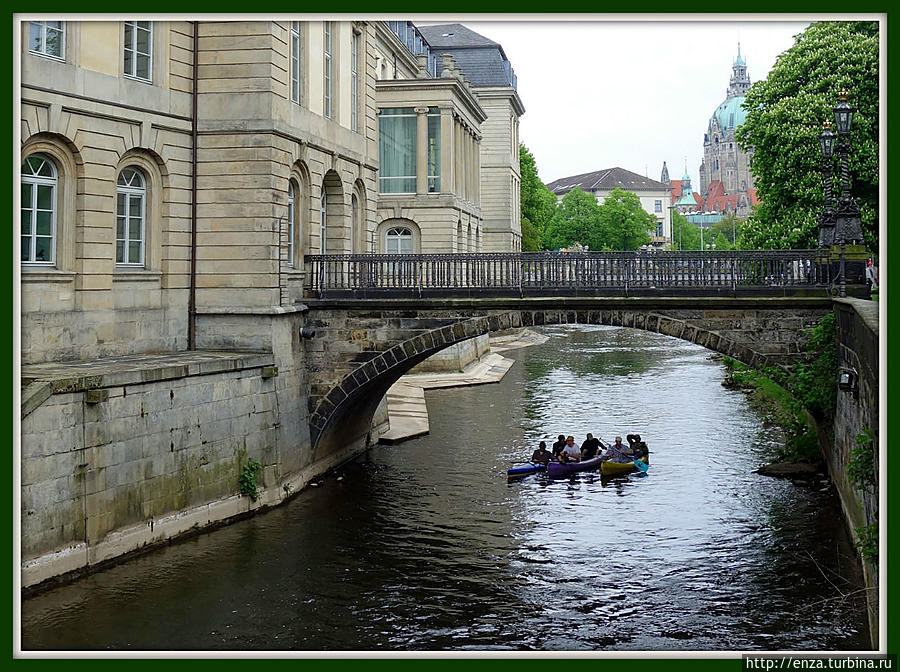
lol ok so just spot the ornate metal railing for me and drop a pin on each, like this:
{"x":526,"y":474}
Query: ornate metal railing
{"x":535,"y":273}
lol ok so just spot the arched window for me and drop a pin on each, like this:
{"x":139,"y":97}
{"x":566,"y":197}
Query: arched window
{"x":292,"y":207}
{"x":322,"y":220}
{"x":469,"y":246}
{"x":39,"y":198}
{"x":398,"y":240}
{"x":131,"y":196}
{"x":354,"y":222}
{"x":459,"y":237}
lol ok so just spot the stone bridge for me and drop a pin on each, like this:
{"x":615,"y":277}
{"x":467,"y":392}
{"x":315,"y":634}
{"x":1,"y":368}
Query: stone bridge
{"x":363,"y":346}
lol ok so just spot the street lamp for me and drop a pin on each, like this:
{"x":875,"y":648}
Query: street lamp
{"x":839,"y":224}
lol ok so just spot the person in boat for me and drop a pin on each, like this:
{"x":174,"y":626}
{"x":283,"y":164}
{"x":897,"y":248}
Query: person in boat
{"x":571,"y":452}
{"x":559,"y":445}
{"x":590,"y":447}
{"x":638,"y":447}
{"x":541,"y":455}
{"x":620,"y":453}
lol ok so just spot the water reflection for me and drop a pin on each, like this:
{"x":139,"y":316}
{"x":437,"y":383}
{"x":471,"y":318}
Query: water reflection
{"x":424,"y":545}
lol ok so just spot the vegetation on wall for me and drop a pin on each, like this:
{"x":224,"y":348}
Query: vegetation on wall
{"x":784,"y":397}
{"x":249,"y":474}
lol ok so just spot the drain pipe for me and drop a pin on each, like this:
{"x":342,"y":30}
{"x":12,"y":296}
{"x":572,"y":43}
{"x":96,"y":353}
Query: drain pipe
{"x":192,"y":292}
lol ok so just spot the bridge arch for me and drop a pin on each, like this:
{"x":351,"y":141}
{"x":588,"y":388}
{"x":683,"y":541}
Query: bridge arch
{"x":345,"y":410}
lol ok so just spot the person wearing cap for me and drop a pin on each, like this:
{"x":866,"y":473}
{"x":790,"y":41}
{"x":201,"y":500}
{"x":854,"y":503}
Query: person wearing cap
{"x":572,"y":452}
{"x":621,"y":453}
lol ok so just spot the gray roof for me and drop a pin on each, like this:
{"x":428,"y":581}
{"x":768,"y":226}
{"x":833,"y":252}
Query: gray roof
{"x":606,"y":180}
{"x":482,"y":60}
{"x":454,"y":35}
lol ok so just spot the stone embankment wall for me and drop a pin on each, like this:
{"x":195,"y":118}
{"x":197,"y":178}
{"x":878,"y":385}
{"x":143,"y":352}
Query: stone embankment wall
{"x":856,"y":413}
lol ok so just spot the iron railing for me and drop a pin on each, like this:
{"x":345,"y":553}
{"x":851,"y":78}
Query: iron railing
{"x":534,"y":273}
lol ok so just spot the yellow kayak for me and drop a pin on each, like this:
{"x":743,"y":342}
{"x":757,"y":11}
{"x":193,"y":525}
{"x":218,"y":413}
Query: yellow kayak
{"x":610,"y":468}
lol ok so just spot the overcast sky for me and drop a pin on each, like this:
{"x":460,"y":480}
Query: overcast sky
{"x":603,"y":92}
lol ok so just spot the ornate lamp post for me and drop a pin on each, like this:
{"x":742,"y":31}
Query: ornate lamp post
{"x":839,"y":225}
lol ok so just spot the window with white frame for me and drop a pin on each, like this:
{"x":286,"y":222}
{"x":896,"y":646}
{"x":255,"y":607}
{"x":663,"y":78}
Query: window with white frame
{"x":434,"y":150}
{"x":354,"y":82}
{"x":296,"y":64}
{"x":47,"y":38}
{"x":38,"y":215}
{"x":131,"y":198}
{"x":397,"y":150}
{"x":139,"y":49}
{"x":328,"y":104}
{"x":398,"y":240}
{"x":657,"y":206}
{"x":291,"y":205}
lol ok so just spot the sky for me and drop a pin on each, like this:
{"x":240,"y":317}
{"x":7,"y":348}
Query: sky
{"x":605,"y":92}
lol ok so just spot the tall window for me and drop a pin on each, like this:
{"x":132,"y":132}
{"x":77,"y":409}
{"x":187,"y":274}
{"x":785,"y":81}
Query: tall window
{"x":657,"y":206}
{"x":354,"y":83}
{"x":48,"y":38}
{"x":39,"y":179}
{"x":323,"y":220}
{"x":291,"y":204}
{"x":398,"y":240}
{"x":327,"y":58}
{"x":397,"y":150}
{"x":295,"y":62}
{"x":434,"y":150}
{"x":131,"y":196}
{"x":354,"y":222}
{"x":139,"y":49}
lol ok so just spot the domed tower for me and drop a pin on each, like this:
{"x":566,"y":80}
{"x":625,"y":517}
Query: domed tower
{"x":723,"y":161}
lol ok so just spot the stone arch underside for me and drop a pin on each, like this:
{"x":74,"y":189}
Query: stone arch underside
{"x":342,"y":408}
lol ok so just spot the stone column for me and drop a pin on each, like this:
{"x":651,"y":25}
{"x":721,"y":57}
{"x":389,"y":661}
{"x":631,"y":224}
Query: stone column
{"x":421,"y":150}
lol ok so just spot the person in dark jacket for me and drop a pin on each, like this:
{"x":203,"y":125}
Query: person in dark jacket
{"x":590,"y":447}
{"x":559,"y":445}
{"x":542,"y":455}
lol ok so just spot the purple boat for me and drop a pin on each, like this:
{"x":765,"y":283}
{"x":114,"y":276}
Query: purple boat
{"x":557,"y":470}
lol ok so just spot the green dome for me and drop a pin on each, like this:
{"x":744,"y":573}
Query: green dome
{"x":730,"y":114}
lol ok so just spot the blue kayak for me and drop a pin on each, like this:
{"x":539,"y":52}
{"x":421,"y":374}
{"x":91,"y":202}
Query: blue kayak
{"x":524,"y":469}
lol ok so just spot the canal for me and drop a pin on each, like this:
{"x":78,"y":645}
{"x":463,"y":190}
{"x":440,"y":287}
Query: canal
{"x":426,"y":546}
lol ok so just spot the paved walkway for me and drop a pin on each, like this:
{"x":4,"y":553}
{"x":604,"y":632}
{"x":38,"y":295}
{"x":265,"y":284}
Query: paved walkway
{"x":406,"y":399}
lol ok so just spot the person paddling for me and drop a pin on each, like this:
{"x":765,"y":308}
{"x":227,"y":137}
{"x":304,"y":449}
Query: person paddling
{"x":572,"y":452}
{"x":590,"y":447}
{"x":542,"y":455}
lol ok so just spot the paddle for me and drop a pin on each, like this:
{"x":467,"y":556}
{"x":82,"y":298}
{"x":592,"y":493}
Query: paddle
{"x":640,"y":466}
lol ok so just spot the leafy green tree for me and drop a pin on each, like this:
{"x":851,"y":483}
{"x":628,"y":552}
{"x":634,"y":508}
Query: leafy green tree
{"x":785,"y":113}
{"x":685,"y":236}
{"x":576,"y":220}
{"x":730,"y":225}
{"x":721,"y":242}
{"x":624,"y":224}
{"x":538,"y":202}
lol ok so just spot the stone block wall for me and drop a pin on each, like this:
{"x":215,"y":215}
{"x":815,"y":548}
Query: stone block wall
{"x":98,"y":478}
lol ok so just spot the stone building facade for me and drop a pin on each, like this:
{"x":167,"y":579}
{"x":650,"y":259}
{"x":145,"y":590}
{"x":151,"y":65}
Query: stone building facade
{"x":174,"y":176}
{"x":179,"y":168}
{"x":484,"y":63}
{"x":726,"y":183}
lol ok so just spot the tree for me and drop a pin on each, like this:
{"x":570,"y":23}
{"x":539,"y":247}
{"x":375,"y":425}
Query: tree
{"x":624,"y":224}
{"x":538,"y":202}
{"x":721,"y":241}
{"x":685,"y":236}
{"x":785,"y":113}
{"x":576,"y":220}
{"x":730,"y":225}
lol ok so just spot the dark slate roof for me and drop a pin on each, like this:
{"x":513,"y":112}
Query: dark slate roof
{"x":454,"y":35}
{"x":482,"y":60}
{"x":606,"y":180}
